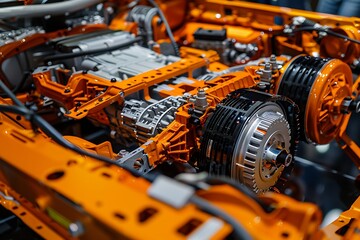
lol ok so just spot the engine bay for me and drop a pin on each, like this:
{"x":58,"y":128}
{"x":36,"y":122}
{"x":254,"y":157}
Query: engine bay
{"x":176,"y":119}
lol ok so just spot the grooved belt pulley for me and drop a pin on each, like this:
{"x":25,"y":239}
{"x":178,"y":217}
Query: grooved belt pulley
{"x":319,"y":87}
{"x":251,"y":136}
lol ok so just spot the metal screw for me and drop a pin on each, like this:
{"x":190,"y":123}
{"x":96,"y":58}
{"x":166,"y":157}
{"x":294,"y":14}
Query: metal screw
{"x":76,"y":229}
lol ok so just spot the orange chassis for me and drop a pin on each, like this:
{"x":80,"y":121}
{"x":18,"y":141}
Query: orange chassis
{"x":65,"y":191}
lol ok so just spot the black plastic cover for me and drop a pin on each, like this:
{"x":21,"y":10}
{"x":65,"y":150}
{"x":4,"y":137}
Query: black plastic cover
{"x":210,"y":34}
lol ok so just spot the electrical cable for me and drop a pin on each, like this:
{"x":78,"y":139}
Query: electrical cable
{"x":93,"y":51}
{"x":204,"y":205}
{"x":51,"y":132}
{"x":311,"y":28}
{"x":12,"y":96}
{"x":19,"y":86}
{"x":240,"y":232}
{"x":328,"y":31}
{"x":167,"y":26}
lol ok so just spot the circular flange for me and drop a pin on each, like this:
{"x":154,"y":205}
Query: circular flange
{"x":265,"y":130}
{"x":249,"y":137}
{"x":318,"y":86}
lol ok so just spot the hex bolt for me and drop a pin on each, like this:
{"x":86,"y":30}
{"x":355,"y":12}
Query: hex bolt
{"x":265,"y":73}
{"x":201,"y":102}
{"x":273,"y":62}
{"x":76,"y":229}
{"x":350,"y":105}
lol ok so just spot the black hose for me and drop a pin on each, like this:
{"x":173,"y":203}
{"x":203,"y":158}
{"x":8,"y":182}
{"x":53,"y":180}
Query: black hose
{"x":19,"y":86}
{"x":328,"y":31}
{"x":51,"y":132}
{"x":167,"y":26}
{"x":239,"y":231}
{"x":310,"y":28}
{"x":9,"y":93}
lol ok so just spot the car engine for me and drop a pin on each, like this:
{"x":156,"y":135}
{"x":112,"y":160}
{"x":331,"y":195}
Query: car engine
{"x":174,"y":119}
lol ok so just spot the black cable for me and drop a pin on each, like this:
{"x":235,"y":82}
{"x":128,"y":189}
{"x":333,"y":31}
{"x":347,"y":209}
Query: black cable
{"x":167,"y":26}
{"x":11,"y":95}
{"x":310,"y":28}
{"x":239,"y":231}
{"x":328,"y":31}
{"x":19,"y":85}
{"x":89,"y":52}
{"x":8,"y":27}
{"x":51,"y":132}
{"x":218,"y":180}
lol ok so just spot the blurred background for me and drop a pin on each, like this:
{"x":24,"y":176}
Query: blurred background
{"x":348,"y":8}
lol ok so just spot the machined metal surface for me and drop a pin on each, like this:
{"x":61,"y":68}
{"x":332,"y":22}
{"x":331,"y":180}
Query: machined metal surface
{"x":147,"y":120}
{"x":126,"y":63}
{"x":108,"y":111}
{"x":266,"y":129}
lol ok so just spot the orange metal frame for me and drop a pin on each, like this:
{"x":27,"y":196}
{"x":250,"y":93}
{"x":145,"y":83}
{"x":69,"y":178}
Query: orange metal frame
{"x":66,"y":188}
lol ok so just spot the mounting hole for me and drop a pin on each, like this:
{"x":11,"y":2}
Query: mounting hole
{"x":285,"y":234}
{"x":55,"y":175}
{"x":39,"y":227}
{"x":23,"y":214}
{"x":146,"y":214}
{"x":18,"y":118}
{"x":106,"y":175}
{"x":72,"y":162}
{"x":189,"y":226}
{"x":119,"y":215}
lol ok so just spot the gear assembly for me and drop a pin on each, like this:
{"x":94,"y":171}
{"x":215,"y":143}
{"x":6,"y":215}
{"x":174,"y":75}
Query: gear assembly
{"x":171,"y":119}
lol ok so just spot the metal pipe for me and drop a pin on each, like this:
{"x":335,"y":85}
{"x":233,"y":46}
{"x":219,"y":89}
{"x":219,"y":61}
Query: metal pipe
{"x":46,"y":9}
